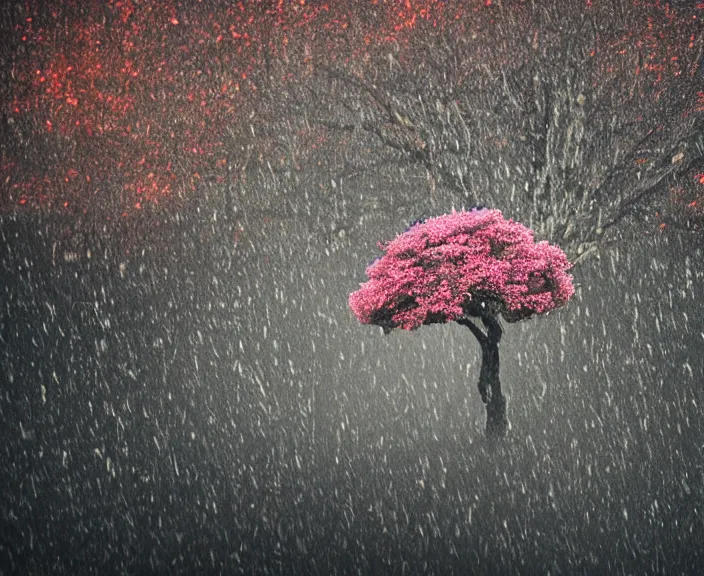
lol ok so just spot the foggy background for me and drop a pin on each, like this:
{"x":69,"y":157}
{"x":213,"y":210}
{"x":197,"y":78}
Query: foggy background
{"x":208,"y":411}
{"x":185,"y":390}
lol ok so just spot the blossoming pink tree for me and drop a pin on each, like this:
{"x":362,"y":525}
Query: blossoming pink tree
{"x":468,"y":267}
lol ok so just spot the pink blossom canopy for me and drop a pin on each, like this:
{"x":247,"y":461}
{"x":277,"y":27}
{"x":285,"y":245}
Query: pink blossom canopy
{"x":442,"y":269}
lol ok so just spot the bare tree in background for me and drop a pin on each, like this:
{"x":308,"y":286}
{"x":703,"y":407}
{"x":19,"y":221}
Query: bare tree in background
{"x":572,"y":118}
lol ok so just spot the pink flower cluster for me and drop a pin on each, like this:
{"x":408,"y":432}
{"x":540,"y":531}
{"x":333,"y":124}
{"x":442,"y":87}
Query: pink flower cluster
{"x":441,"y":269}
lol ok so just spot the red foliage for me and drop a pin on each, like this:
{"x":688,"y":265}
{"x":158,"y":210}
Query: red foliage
{"x":439,"y":270}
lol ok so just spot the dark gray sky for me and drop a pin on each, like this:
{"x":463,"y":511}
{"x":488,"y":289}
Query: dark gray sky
{"x":184,"y":389}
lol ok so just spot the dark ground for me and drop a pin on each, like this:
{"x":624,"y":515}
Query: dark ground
{"x":155,"y":419}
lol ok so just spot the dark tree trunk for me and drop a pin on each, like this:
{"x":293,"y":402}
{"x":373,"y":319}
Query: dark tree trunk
{"x":489,"y":381}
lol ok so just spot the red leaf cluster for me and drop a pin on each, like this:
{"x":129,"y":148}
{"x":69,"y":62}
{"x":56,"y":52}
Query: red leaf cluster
{"x":442,"y":269}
